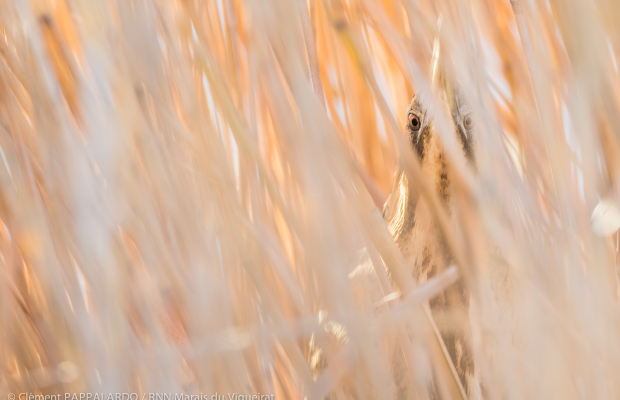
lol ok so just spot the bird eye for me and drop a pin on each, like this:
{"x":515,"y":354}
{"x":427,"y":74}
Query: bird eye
{"x":469,"y":122}
{"x":414,"y":122}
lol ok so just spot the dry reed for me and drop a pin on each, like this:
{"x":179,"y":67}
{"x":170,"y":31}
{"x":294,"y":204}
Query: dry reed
{"x":190,"y":196}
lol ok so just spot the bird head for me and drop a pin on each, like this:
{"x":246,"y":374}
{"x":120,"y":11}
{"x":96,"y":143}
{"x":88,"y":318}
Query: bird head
{"x":448,"y":98}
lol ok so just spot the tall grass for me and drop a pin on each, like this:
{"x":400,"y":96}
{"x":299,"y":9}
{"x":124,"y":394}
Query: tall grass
{"x":190,"y":196}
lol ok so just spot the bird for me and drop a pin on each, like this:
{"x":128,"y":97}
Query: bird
{"x":412,"y":226}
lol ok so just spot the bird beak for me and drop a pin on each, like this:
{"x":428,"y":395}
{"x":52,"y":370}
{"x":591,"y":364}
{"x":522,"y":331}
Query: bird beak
{"x":436,"y":74}
{"x":441,"y":81}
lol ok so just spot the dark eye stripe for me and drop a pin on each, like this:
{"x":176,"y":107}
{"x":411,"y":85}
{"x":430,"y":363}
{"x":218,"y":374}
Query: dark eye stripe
{"x":466,"y":144}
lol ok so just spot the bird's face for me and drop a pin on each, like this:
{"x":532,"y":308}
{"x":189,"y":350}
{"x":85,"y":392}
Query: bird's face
{"x":402,"y":212}
{"x":421,"y":129}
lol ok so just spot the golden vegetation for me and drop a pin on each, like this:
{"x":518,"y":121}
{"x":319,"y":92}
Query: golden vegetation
{"x":188,"y":191}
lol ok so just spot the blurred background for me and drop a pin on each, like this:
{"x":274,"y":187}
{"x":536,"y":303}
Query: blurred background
{"x":191,"y":196}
